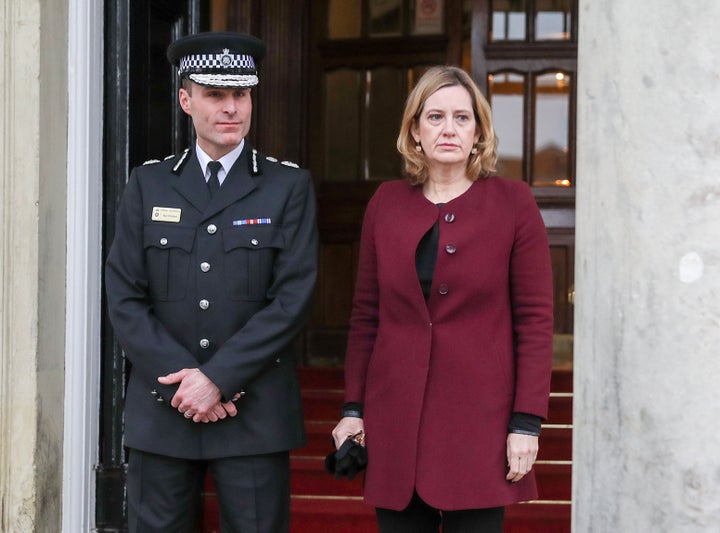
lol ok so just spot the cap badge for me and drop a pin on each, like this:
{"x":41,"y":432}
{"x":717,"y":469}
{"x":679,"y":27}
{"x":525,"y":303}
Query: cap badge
{"x":226,"y":58}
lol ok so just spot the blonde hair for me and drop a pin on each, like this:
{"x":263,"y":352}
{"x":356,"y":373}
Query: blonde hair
{"x":480,"y":164}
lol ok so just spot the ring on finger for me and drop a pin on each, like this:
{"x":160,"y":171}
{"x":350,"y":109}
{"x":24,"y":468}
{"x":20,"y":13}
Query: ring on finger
{"x":187,"y":414}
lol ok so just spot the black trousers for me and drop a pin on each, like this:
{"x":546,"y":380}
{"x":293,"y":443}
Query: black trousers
{"x":419,"y":517}
{"x":253,"y":493}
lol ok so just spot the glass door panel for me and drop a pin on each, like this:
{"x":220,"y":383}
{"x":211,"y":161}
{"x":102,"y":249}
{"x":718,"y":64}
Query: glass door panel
{"x":342,"y":125}
{"x":552,"y":118}
{"x":387,"y":90}
{"x":428,"y":17}
{"x":386,"y":18}
{"x":508,"y":20}
{"x":506,"y":93}
{"x":553,"y":20}
{"x":344,"y":19}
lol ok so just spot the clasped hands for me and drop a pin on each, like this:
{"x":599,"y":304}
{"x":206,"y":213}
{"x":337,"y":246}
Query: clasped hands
{"x":197,"y":397}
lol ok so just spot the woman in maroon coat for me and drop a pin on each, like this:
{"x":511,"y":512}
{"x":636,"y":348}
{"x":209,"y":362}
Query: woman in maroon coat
{"x":449,"y":355}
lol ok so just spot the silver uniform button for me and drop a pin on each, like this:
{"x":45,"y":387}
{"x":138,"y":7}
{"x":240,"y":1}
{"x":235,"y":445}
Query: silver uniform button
{"x":212,"y":228}
{"x":204,"y":343}
{"x":204,"y":266}
{"x":450,"y":248}
{"x":443,"y":289}
{"x":254,"y":242}
{"x":204,"y":304}
{"x":163,"y":241}
{"x":449,"y":217}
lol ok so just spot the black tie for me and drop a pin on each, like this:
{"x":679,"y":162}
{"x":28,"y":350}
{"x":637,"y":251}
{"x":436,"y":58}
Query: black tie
{"x":213,"y":182}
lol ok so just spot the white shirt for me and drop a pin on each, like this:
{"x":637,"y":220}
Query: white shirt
{"x":227,"y":161}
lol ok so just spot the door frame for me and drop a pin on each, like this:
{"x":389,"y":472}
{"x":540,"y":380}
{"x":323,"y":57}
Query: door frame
{"x":83,"y":264}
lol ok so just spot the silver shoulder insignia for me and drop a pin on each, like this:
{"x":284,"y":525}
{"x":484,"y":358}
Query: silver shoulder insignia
{"x":289,"y":164}
{"x":273,"y":159}
{"x":169,"y":157}
{"x":254,"y":162}
{"x":151,"y":161}
{"x":179,"y":164}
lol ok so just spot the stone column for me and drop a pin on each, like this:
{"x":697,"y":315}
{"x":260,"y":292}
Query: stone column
{"x":33,"y":130}
{"x":647,"y":322}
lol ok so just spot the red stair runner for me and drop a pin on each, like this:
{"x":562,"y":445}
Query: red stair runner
{"x":321,"y":503}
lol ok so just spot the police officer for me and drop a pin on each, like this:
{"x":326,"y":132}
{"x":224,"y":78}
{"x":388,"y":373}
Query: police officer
{"x":209,"y":281}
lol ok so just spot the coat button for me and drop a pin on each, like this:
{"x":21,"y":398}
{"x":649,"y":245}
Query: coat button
{"x":211,"y":229}
{"x":204,"y":343}
{"x":204,"y":304}
{"x":443,"y":289}
{"x":204,"y":266}
{"x":450,"y":248}
{"x":254,"y":242}
{"x":449,"y":217}
{"x":163,"y":241}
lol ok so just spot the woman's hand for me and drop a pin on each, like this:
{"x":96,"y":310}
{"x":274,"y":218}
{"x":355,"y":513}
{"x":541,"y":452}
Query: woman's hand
{"x":347,"y":427}
{"x":522,"y":451}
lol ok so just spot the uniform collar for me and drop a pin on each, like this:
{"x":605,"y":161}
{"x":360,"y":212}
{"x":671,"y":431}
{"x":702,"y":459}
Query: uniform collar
{"x":227,"y":161}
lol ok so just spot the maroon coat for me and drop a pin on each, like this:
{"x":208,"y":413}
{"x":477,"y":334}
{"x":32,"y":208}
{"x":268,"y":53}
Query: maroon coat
{"x":440,"y":381}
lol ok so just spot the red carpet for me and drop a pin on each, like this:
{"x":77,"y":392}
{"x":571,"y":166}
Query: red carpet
{"x":320,"y":503}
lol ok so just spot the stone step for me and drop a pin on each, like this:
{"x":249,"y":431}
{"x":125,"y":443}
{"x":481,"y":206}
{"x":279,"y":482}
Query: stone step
{"x":310,"y":478}
{"x":312,"y":514}
{"x":324,"y":405}
{"x":555,"y":441}
{"x":330,"y":378}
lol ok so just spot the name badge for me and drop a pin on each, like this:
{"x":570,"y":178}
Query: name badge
{"x":166,"y":214}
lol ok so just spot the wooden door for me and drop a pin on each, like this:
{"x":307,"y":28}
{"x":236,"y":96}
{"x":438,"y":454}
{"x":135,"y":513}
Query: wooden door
{"x":140,"y":123}
{"x":364,"y":58}
{"x":143,"y":121}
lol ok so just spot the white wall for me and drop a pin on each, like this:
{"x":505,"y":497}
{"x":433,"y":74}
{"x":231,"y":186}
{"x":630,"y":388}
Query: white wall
{"x":647,"y":276}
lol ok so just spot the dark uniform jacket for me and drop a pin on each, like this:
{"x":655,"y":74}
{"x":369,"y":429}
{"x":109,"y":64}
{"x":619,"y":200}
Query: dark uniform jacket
{"x":221,"y":284}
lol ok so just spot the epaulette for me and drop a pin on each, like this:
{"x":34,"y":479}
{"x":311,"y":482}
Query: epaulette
{"x":255,"y":160}
{"x":286,"y":163}
{"x":151,"y":162}
{"x":177,"y":168}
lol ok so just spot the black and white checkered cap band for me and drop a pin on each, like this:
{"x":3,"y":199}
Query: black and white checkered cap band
{"x":223,"y":62}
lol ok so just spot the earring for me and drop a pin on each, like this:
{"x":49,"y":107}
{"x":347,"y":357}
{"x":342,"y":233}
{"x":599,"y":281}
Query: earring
{"x":474,"y":149}
{"x":418,"y":148}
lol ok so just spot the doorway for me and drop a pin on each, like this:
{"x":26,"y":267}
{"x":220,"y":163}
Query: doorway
{"x":140,"y":123}
{"x":364,"y":59}
{"x":335,"y":80}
